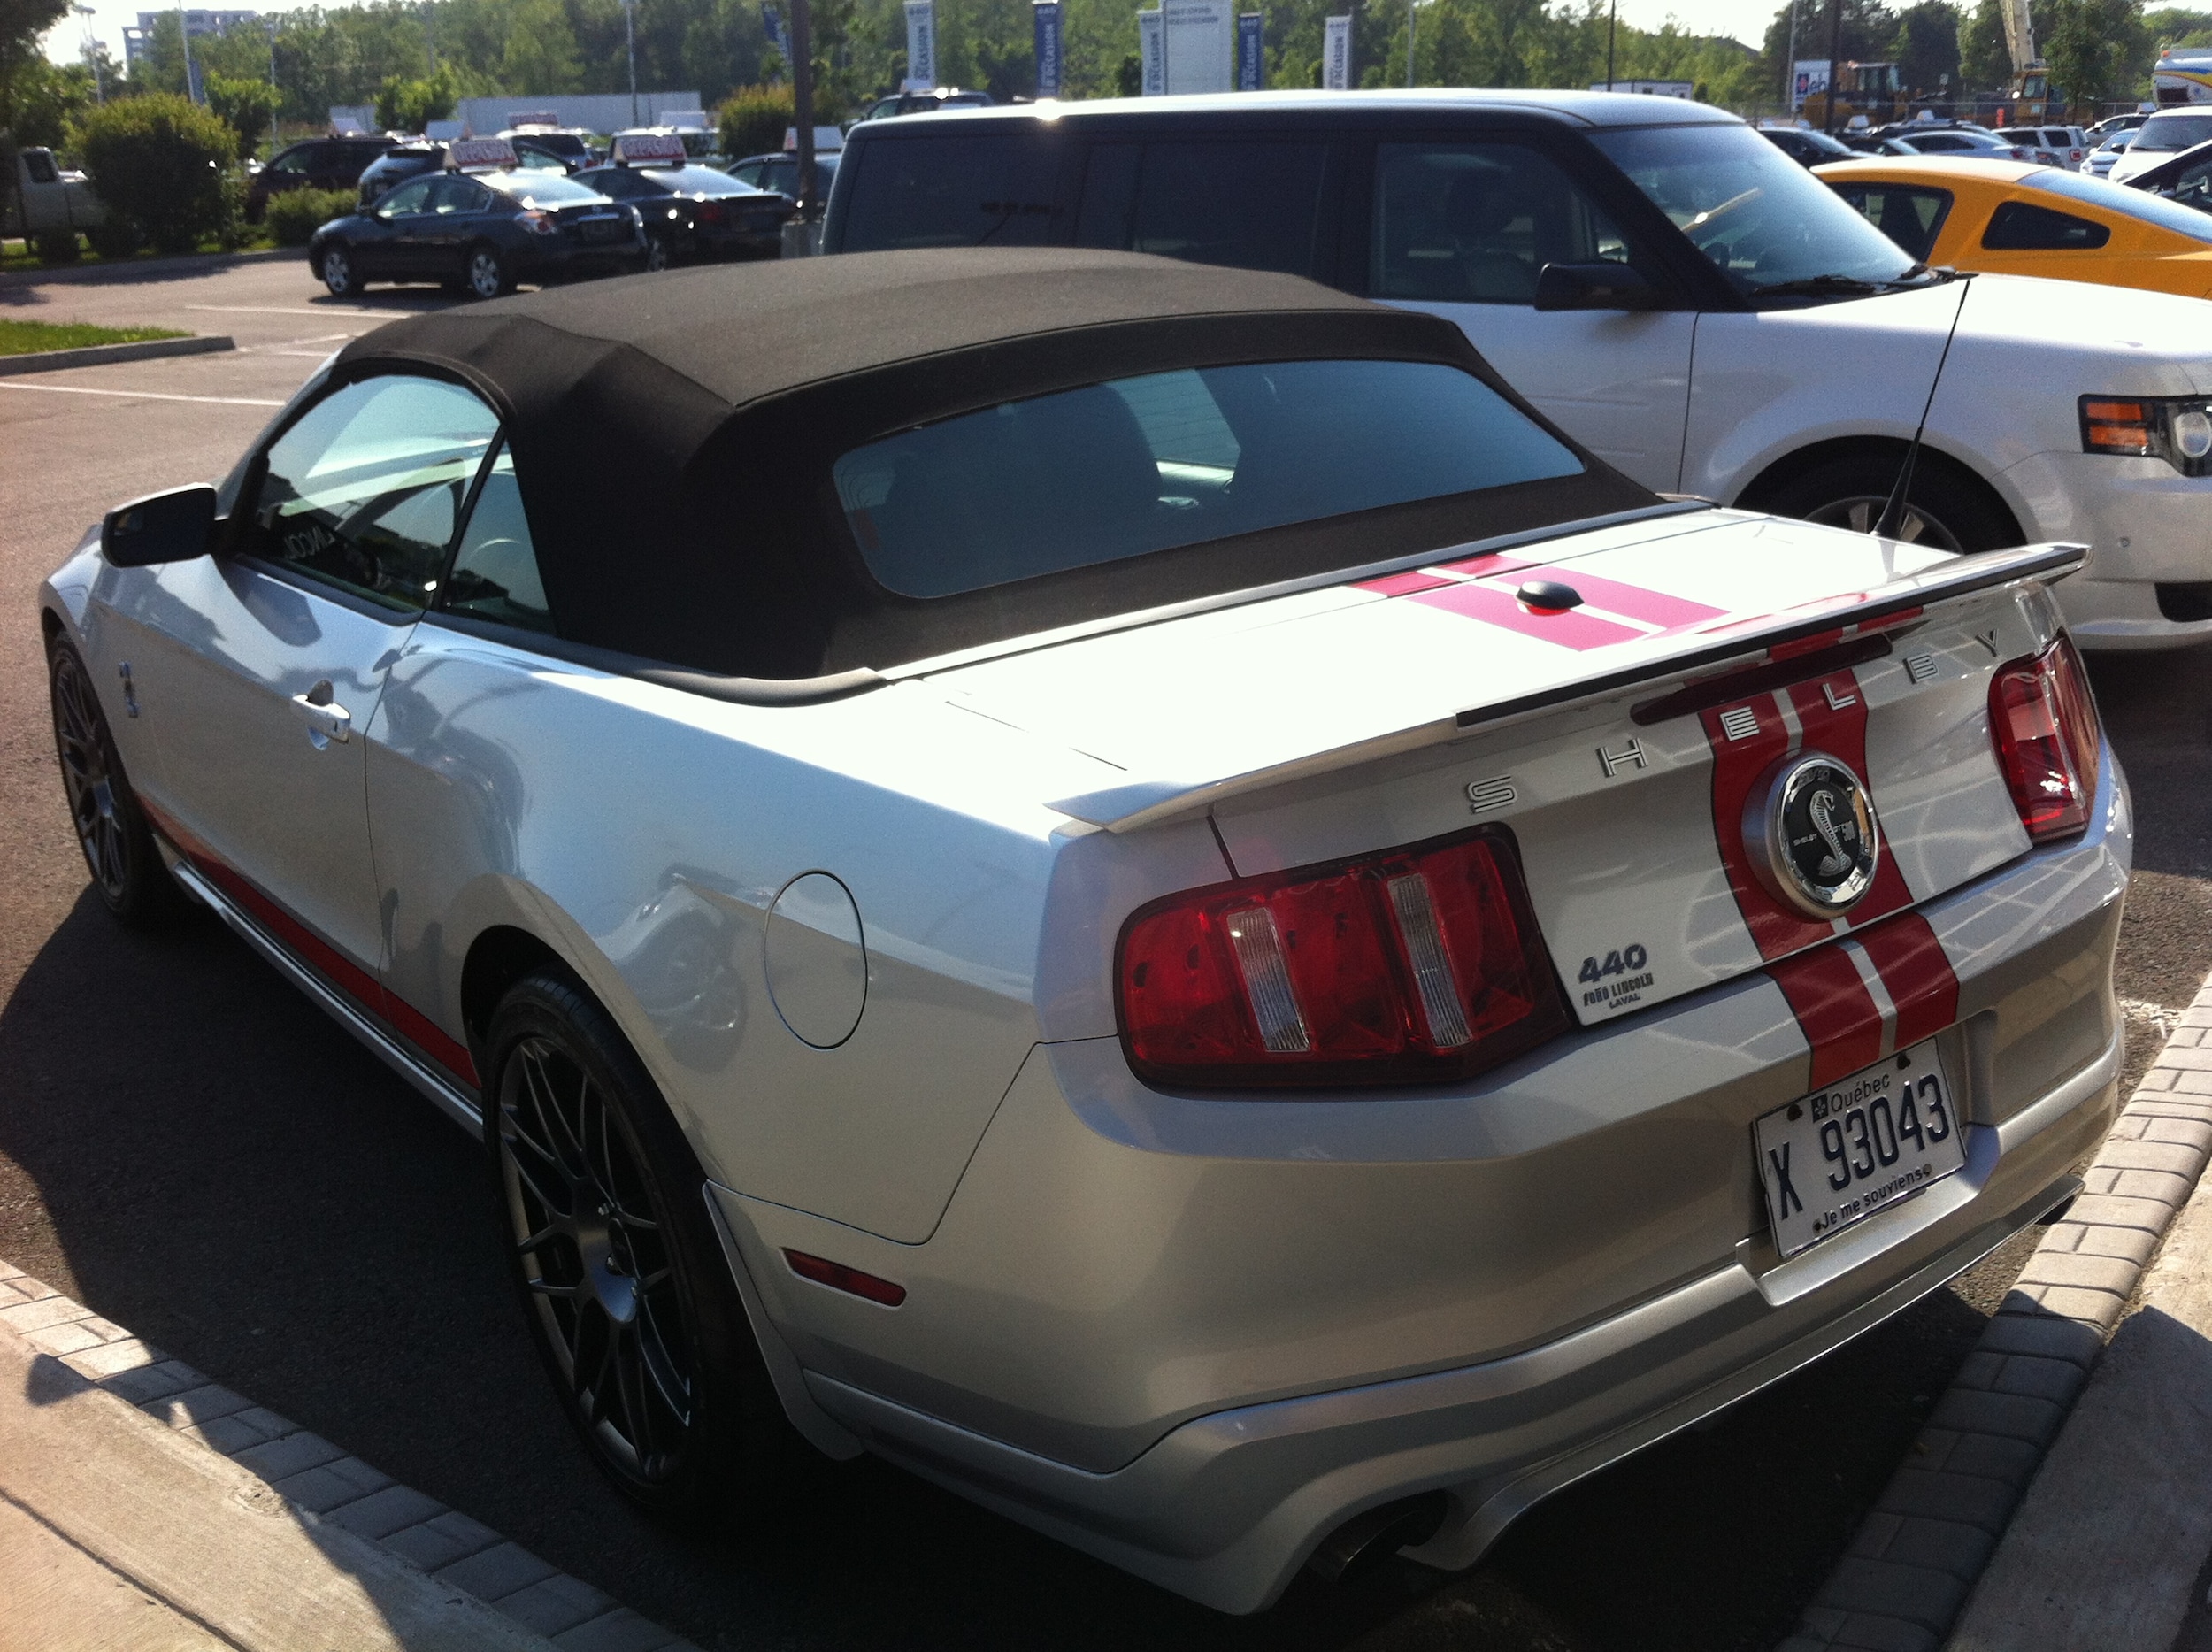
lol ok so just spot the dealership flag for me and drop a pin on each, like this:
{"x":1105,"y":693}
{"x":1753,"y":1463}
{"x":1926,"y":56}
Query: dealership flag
{"x":1046,"y":15}
{"x":1336,"y":55}
{"x":921,"y":45}
{"x":1150,"y":52}
{"x":1249,"y":55}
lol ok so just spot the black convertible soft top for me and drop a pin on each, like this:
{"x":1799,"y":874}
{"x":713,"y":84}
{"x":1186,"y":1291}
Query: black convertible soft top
{"x":673,"y":437}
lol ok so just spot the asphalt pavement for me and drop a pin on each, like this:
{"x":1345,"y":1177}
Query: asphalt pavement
{"x":193,"y":1150}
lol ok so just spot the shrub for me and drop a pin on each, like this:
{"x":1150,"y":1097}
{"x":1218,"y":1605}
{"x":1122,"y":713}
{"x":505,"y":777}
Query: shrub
{"x":755,"y":119}
{"x":296,"y":214}
{"x":117,"y":238}
{"x":159,"y":161}
{"x":246,"y":108}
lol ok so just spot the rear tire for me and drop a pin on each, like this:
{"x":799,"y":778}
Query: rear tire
{"x":128,"y":870}
{"x":485,"y":272}
{"x":1947,"y":508}
{"x":334,"y":266}
{"x":621,"y":1274}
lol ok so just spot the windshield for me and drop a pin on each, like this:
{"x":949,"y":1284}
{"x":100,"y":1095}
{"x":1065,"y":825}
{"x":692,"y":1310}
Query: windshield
{"x":1148,"y":463}
{"x":2169,"y":134}
{"x":2162,"y":210}
{"x":1763,"y":220}
{"x":540,"y":189}
{"x":698,"y":180}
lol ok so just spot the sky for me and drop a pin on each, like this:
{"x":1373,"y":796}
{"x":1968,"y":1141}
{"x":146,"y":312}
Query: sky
{"x":1746,"y":19}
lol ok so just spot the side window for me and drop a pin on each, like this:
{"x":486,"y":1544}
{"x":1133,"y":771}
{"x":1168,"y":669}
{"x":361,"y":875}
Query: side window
{"x":953,"y":192}
{"x":40,"y":165}
{"x":748,"y":174}
{"x":2018,"y":227}
{"x":1253,"y":205}
{"x":365,"y":492}
{"x":495,"y":571}
{"x":1477,"y":222}
{"x":408,"y":197}
{"x":452,"y":195}
{"x":1912,"y":218}
{"x":291,"y":161}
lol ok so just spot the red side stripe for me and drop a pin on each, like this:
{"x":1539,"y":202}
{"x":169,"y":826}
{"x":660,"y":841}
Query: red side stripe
{"x":1775,"y":930}
{"x":1840,"y":732}
{"x":1916,"y":973}
{"x":326,"y":960}
{"x":1834,"y":1009}
{"x":1572,"y":629}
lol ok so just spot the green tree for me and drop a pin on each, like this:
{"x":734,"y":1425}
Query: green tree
{"x":540,"y":53}
{"x":755,"y":118}
{"x":1985,"y":60}
{"x":44,"y":101}
{"x":410,"y":105}
{"x":1928,"y":47}
{"x":160,"y":161}
{"x":21,"y":23}
{"x":2095,"y":50}
{"x":245,"y":106}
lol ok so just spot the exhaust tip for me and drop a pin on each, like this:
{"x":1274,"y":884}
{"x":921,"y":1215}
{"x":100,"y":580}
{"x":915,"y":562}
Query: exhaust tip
{"x":1365,"y":1540}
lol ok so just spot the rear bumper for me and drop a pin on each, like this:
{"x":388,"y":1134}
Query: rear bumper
{"x":1195,"y":1336}
{"x":2146,"y":525}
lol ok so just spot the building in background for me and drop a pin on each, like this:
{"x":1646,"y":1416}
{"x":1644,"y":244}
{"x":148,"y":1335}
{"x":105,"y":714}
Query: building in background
{"x":138,"y":41}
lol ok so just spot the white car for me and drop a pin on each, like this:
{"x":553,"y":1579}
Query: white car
{"x":1665,"y":282}
{"x":1128,"y":884}
{"x":2164,"y":135}
{"x":2102,"y":158}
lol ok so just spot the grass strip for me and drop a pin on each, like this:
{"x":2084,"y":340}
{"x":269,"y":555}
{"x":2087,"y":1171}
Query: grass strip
{"x":25,"y":338}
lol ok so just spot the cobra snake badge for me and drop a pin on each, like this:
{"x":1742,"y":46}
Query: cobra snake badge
{"x":1823,"y":811}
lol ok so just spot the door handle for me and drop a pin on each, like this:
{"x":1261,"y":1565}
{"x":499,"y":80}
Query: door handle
{"x":326,"y":719}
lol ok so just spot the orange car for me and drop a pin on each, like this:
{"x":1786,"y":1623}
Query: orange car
{"x":2014,"y":219}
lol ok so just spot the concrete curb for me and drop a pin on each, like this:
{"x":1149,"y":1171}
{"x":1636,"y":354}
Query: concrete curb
{"x":322,"y":1484}
{"x":145,"y":269}
{"x":101,"y":355}
{"x":1922,"y":1548}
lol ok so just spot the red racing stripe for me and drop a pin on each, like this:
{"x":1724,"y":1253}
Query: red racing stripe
{"x":1572,"y":629}
{"x":1634,"y":602}
{"x":1775,"y":930}
{"x":1403,"y":584}
{"x":341,"y":971}
{"x":1839,"y":730}
{"x":1833,"y":1009}
{"x":1916,"y":973}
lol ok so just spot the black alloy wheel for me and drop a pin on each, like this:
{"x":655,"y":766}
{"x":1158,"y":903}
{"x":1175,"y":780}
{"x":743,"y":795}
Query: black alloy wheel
{"x":627,"y":1293}
{"x":1944,"y":509}
{"x":111,"y":830}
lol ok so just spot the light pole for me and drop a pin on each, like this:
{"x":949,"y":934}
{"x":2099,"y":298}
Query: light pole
{"x":1412,"y":9}
{"x":629,"y":35}
{"x":184,"y":38}
{"x":1612,"y":18}
{"x":92,"y":53}
{"x":273,"y":96}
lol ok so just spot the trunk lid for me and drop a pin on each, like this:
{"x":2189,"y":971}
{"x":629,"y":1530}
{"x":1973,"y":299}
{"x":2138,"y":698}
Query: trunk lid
{"x":1622,"y":740}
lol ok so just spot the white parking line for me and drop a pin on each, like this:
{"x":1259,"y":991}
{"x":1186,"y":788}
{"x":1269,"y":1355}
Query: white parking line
{"x":141,"y":396}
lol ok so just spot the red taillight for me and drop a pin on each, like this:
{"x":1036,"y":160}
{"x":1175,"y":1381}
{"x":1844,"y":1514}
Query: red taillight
{"x":2045,"y":726}
{"x":710,"y":212}
{"x":1419,"y":965}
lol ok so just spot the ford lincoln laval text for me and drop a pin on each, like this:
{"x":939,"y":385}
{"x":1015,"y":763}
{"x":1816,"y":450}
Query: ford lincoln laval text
{"x":1129,"y":884}
{"x":1680,"y":295}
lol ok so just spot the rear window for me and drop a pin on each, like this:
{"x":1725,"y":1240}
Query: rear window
{"x":967,"y":191}
{"x":538,"y":188}
{"x":1141,"y":465}
{"x":2136,"y":204}
{"x":2169,"y":134}
{"x":702,"y":181}
{"x":1257,"y":205}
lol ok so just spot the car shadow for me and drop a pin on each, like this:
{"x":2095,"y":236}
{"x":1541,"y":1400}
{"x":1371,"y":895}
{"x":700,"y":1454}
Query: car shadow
{"x":232,"y":1177}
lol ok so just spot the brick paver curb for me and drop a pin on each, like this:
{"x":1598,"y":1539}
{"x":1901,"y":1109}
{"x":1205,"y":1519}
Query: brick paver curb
{"x":1922,"y":1548}
{"x":322,"y":1482}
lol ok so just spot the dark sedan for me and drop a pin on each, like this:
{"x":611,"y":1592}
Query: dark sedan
{"x":412,"y":159}
{"x":780,"y":171}
{"x":479,"y":233}
{"x":694,"y":212}
{"x":317,"y":163}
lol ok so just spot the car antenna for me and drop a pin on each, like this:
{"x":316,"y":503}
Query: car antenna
{"x":1892,"y":517}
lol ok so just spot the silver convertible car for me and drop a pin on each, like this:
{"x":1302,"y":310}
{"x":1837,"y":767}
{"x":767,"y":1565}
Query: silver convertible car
{"x":1128,"y":884}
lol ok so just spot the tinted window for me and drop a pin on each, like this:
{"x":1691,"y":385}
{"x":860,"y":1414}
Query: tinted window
{"x":751,"y":173}
{"x":1478,"y":221}
{"x":412,"y":197}
{"x":1141,"y":465}
{"x":495,"y":571}
{"x":1255,"y":205}
{"x":40,"y":167}
{"x":2164,"y":134}
{"x":952,"y":192}
{"x":1911,"y":216}
{"x":458,"y":194}
{"x":2176,"y":215}
{"x":701,"y":181}
{"x":293,"y":160}
{"x":365,"y":490}
{"x":617,"y":183}
{"x":539,"y":189}
{"x":2016,"y":227}
{"x":1762,"y":219}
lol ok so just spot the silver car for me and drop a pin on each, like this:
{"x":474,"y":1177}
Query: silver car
{"x":1128,"y":883}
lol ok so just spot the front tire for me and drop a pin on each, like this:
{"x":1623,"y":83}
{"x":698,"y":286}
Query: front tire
{"x":336,"y":268}
{"x":128,"y":870}
{"x":621,"y":1274}
{"x":1946,"y":510}
{"x":486,"y":272}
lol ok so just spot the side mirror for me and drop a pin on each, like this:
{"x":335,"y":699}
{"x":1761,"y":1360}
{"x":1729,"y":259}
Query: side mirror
{"x":1593,"y":287}
{"x":174,"y":527}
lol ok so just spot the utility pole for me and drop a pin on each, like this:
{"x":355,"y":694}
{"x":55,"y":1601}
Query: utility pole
{"x":1835,"y":63}
{"x":809,"y":211}
{"x":92,"y":53}
{"x":1612,"y":19}
{"x":629,"y":34}
{"x":1411,"y":12}
{"x":1789,"y":68}
{"x":184,"y":38}
{"x":274,"y":97}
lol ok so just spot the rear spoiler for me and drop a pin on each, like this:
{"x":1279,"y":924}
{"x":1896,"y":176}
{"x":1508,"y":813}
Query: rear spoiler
{"x":1742,"y":642}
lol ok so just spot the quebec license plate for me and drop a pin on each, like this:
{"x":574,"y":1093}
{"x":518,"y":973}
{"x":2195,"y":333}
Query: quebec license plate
{"x":1839,"y":1154}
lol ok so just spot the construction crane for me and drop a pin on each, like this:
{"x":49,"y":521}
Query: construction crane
{"x":2030,"y":84}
